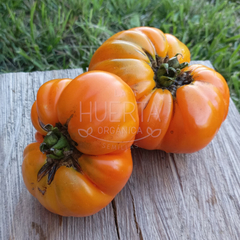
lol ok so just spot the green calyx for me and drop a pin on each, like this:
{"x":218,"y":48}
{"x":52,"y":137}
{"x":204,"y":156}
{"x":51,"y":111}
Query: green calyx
{"x":55,"y":144}
{"x":60,"y":150}
{"x":168,"y":72}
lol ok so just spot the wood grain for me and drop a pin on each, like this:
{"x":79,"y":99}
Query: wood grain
{"x":169,"y":196}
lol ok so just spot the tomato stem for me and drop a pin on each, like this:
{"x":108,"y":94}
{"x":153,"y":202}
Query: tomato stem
{"x":55,"y":143}
{"x":60,"y":150}
{"x":168,"y":71}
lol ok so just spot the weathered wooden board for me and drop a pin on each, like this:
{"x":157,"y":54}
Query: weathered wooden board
{"x":169,"y":196}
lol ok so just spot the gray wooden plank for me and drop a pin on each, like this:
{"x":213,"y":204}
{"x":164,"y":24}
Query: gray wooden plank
{"x":169,"y":196}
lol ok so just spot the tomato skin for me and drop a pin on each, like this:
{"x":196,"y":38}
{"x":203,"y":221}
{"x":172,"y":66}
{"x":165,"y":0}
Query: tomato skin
{"x":35,"y":120}
{"x":43,"y":109}
{"x":72,"y":193}
{"x":137,"y":74}
{"x":198,"y":112}
{"x":206,"y":74}
{"x":39,"y":137}
{"x":176,"y":46}
{"x":102,"y":112}
{"x":158,"y":39}
{"x":183,"y":123}
{"x":47,"y":98}
{"x":154,"y":126}
{"x":117,"y":100}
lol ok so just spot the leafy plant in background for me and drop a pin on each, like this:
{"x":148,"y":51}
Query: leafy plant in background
{"x":51,"y":34}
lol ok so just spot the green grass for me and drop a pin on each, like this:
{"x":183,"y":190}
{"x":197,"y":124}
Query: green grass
{"x":51,"y":34}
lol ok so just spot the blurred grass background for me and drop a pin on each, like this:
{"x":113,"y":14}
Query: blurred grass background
{"x":59,"y":34}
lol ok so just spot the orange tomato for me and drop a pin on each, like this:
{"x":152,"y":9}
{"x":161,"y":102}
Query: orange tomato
{"x":180,"y":108}
{"x":73,"y":192}
{"x":82,"y":157}
{"x":99,"y":107}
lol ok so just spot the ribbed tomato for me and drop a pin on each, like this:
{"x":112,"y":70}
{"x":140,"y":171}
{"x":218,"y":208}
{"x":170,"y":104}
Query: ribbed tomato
{"x":81,"y":186}
{"x":180,"y":108}
{"x":98,"y":107}
{"x":82,"y":157}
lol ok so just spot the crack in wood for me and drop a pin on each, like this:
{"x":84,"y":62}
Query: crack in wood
{"x":115,"y":217}
{"x":139,"y":231}
{"x":176,"y":171}
{"x":165,"y":228}
{"x":177,"y":175}
{"x":39,"y":231}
